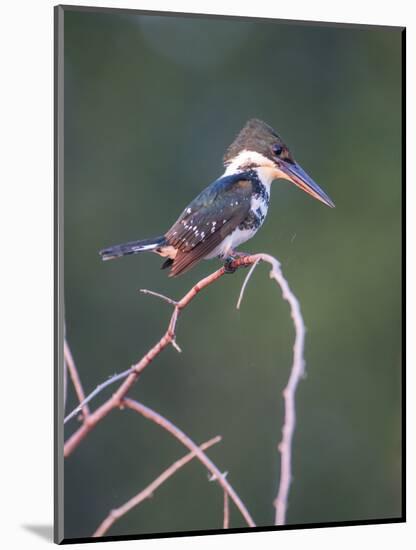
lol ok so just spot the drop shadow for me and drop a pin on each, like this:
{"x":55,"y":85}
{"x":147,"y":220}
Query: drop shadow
{"x":43,"y":531}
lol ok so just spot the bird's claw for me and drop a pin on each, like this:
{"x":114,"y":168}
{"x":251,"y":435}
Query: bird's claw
{"x":228,"y":265}
{"x":228,"y":261}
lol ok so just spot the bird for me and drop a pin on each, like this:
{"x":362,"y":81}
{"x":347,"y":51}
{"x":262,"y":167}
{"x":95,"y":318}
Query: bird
{"x":231,"y":209}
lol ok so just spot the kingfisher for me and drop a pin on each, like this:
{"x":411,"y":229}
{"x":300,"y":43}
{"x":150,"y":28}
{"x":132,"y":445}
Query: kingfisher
{"x":231,"y":209}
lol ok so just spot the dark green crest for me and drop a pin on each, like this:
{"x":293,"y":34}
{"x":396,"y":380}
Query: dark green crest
{"x":255,"y":136}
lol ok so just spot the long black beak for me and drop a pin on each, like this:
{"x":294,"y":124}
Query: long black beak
{"x":299,"y":177}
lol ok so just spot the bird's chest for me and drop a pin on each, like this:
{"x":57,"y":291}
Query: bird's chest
{"x":247,"y":228}
{"x":253,"y":221}
{"x":258,"y":209}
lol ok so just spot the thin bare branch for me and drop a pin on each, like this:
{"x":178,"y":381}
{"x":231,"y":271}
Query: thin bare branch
{"x":246,"y":280}
{"x":98,"y":389}
{"x":148,"y":492}
{"x":158,"y":295}
{"x":296,"y":374}
{"x":187,"y":441}
{"x":73,"y":373}
{"x":226,"y":522}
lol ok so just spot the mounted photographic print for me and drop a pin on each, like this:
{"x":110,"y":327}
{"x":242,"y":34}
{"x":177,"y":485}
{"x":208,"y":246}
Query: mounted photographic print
{"x":228,"y":274}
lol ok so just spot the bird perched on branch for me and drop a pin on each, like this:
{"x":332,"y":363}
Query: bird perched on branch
{"x":231,"y":209}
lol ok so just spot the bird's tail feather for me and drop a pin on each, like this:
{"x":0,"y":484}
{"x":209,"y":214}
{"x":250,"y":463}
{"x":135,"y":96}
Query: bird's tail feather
{"x":132,"y":247}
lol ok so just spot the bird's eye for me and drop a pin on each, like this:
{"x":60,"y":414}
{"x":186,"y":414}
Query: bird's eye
{"x":277,"y":150}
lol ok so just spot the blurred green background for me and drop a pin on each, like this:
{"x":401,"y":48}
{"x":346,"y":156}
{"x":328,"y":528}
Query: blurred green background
{"x":151,"y":103}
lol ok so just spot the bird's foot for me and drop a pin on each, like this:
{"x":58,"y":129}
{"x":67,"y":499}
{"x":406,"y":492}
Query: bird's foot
{"x":228,"y":264}
{"x":228,"y":261}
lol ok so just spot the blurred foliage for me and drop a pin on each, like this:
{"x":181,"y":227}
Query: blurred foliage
{"x":151,"y":103}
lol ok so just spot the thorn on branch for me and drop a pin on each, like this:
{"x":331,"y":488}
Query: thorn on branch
{"x":175,"y":345}
{"x":214,"y":477}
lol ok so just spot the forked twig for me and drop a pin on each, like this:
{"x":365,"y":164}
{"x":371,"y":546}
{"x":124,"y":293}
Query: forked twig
{"x":73,"y":373}
{"x":111,"y":380}
{"x":148,"y":492}
{"x":187,"y":441}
